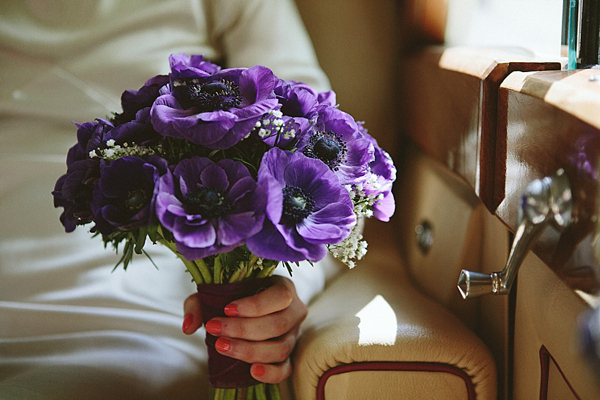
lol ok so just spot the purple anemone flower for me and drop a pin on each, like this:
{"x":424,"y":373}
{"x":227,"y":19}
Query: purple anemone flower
{"x":194,"y":66}
{"x":123,"y":196}
{"x":218,"y":110}
{"x":139,"y":131}
{"x":73,"y":192}
{"x":133,"y":101}
{"x":297,"y":99}
{"x":337,"y":141}
{"x":209,"y":207}
{"x":90,"y":136}
{"x":383,"y":173}
{"x":307,"y":208}
{"x":298,"y":105}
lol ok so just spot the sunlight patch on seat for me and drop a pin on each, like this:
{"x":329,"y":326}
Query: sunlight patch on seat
{"x":378,"y":323}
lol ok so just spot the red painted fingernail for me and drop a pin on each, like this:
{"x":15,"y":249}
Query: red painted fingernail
{"x":213,"y":327}
{"x":187,"y":322}
{"x":222,"y":345}
{"x":258,"y":370}
{"x":231,"y":310}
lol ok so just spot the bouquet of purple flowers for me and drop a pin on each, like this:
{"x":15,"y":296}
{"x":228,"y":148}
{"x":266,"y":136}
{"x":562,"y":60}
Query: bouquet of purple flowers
{"x":235,"y":171}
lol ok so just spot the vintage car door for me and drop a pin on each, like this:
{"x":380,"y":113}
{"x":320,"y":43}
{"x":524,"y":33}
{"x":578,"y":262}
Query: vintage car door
{"x":523,"y":135}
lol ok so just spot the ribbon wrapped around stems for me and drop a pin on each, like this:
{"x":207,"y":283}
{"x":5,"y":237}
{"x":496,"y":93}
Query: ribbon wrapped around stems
{"x":223,"y":371}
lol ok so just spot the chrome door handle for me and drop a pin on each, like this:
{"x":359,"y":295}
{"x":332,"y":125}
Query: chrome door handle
{"x":545,"y":201}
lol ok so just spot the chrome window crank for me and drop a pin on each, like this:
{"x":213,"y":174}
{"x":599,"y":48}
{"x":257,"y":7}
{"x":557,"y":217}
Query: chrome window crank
{"x":545,"y":201}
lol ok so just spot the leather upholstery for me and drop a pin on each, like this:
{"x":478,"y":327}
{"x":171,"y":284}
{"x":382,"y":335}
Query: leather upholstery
{"x":372,"y":334}
{"x":374,"y":313}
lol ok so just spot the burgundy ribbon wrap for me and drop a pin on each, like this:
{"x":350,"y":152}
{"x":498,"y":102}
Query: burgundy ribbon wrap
{"x":223,"y":371}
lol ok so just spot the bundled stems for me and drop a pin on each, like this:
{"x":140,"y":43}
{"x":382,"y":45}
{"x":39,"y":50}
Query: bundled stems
{"x":202,"y":273}
{"x":261,"y":391}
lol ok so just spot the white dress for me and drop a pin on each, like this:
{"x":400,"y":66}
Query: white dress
{"x":69,"y":328}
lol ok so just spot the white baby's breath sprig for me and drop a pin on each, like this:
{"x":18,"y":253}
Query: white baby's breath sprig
{"x":273,"y":124}
{"x":351,"y":249}
{"x":365,"y":195}
{"x":115,"y":151}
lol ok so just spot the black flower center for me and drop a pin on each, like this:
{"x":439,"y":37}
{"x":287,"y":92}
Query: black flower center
{"x":327,"y":147}
{"x":297,"y":205}
{"x":136,"y":199}
{"x":208,"y":96}
{"x":207,"y":202}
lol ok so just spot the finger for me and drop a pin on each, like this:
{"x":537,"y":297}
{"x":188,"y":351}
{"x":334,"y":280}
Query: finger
{"x":271,"y":373}
{"x":192,"y":316}
{"x":275,"y":298}
{"x":270,"y":351}
{"x":260,"y":328}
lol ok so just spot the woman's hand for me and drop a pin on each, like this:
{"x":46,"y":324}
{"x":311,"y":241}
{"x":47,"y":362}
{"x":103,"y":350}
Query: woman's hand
{"x":261,"y":329}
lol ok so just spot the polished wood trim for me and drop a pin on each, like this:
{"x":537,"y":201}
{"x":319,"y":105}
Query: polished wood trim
{"x":548,"y":121}
{"x":452,"y":107}
{"x":575,"y":92}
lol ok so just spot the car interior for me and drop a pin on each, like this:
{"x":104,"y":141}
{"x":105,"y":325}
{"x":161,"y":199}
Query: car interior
{"x":484,"y":285}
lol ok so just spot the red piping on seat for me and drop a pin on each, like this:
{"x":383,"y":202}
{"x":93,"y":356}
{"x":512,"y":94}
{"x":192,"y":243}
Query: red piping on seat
{"x":399,"y":367}
{"x":545,"y":358}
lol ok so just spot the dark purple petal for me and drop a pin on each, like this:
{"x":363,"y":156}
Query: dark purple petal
{"x":256,"y":84}
{"x":124,"y":196}
{"x":297,"y":100}
{"x":307,"y":208}
{"x":214,"y":177}
{"x":270,"y":244}
{"x":196,"y":111}
{"x":209,"y":207}
{"x":337,"y":141}
{"x":183,"y":67}
{"x":327,"y":98}
{"x":133,"y":101}
{"x":233,"y":229}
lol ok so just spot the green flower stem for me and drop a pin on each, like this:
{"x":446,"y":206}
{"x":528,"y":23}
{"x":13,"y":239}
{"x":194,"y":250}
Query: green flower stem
{"x":266,"y":271}
{"x":239,"y":273}
{"x":259,"y":392}
{"x":217,"y":269}
{"x":204,"y":270}
{"x":274,"y":393}
{"x":240,"y":394}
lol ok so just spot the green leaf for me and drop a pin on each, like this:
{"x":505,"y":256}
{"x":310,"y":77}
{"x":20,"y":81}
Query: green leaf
{"x":150,"y":258}
{"x":288,"y":267}
{"x":140,"y":240}
{"x":153,"y":232}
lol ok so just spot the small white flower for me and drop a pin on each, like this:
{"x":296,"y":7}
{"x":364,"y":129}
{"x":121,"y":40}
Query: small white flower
{"x":109,"y":153}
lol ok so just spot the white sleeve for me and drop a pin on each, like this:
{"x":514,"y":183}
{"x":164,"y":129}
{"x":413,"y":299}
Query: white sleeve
{"x":265,"y":32}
